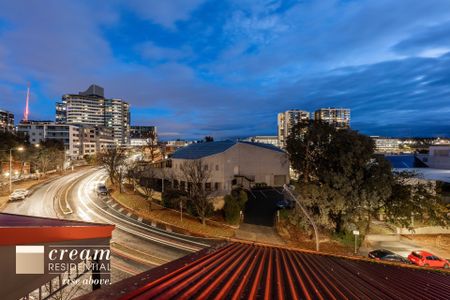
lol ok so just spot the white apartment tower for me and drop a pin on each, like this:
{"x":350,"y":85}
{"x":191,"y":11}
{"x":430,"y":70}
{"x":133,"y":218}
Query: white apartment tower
{"x":288,"y":119}
{"x":93,"y":109}
{"x":337,"y":117}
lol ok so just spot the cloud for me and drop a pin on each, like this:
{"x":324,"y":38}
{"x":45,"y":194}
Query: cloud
{"x":165,"y":13}
{"x":225,"y":69}
{"x":150,"y":51}
{"x":431,"y":41}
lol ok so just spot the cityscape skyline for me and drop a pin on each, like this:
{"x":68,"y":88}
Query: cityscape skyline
{"x":394,"y":79}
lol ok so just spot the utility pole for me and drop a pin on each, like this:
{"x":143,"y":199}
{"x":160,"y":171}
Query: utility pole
{"x":10,"y":170}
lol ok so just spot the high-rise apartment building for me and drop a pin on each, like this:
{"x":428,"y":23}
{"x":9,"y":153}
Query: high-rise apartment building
{"x":92,"y":108}
{"x":337,"y":117}
{"x":288,"y":119}
{"x":6,"y":121}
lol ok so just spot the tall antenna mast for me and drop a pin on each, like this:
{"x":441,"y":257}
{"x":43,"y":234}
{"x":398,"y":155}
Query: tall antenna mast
{"x":25,"y":114}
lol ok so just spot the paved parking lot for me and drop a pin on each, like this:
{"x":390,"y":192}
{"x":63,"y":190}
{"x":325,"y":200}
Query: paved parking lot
{"x":260,"y":208}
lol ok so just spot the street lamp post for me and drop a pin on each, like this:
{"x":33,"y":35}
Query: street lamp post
{"x":316,"y":232}
{"x":10,"y":166}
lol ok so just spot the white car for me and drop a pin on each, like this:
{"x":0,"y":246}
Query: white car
{"x":19,"y":194}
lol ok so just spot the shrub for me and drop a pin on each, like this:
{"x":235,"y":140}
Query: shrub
{"x":231,"y":210}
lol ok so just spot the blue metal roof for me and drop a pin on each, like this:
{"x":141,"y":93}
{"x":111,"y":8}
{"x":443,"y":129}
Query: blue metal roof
{"x":262,"y":145}
{"x":199,"y":150}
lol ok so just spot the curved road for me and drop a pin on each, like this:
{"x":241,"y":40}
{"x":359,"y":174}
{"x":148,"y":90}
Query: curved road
{"x":136,"y":247}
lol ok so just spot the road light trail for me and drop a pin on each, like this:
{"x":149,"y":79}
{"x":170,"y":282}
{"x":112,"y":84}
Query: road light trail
{"x":91,"y":209}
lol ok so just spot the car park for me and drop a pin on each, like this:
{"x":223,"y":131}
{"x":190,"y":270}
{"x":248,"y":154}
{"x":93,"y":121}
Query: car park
{"x":427,"y":259}
{"x":386,"y":255}
{"x":19,"y":194}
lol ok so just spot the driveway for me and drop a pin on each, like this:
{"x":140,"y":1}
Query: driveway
{"x":259,"y":234}
{"x":260,"y":208}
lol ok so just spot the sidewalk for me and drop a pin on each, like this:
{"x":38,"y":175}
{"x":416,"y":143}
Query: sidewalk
{"x":259,"y":234}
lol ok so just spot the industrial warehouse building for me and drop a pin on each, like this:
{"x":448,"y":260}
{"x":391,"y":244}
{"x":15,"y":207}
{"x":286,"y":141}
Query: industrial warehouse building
{"x":232,"y":163}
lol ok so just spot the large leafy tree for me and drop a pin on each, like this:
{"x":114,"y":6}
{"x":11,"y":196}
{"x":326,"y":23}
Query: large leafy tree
{"x":415,"y":199}
{"x":343,"y":182}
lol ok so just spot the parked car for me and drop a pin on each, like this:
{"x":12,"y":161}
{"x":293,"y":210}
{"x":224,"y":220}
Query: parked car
{"x":386,"y":255}
{"x":19,"y":194}
{"x":101,"y":190}
{"x":284,"y":204}
{"x":427,"y":259}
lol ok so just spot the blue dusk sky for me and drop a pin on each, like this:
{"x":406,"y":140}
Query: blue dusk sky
{"x":225,"y":68}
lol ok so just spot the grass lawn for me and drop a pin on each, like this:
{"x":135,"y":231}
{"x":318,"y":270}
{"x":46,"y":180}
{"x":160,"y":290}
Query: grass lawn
{"x":140,"y":205}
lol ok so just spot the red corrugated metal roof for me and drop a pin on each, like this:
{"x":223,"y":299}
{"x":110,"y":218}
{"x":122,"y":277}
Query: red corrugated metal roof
{"x":246,"y":271}
{"x":21,"y":229}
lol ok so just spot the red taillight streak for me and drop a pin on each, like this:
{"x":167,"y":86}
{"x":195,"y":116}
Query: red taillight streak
{"x":246,"y":277}
{"x":172,"y":277}
{"x":243,"y":259}
{"x":205,"y":274}
{"x":258,"y":275}
{"x":290,"y":279}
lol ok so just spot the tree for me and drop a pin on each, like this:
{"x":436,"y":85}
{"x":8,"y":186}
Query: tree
{"x":147,"y":181}
{"x":112,"y":159}
{"x":234,"y":204}
{"x":340,"y":181}
{"x":197,"y":175}
{"x":152,"y":144}
{"x":208,"y":139}
{"x":414,"y":199}
{"x":344,"y":184}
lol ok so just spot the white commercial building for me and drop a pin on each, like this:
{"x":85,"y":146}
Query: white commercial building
{"x":386,"y":145}
{"x":438,"y":157}
{"x":38,"y":132}
{"x":233,"y":163}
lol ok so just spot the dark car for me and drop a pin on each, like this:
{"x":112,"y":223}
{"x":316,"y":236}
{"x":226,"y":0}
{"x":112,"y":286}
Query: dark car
{"x":102,"y":190}
{"x":284,"y":204}
{"x":386,"y":255}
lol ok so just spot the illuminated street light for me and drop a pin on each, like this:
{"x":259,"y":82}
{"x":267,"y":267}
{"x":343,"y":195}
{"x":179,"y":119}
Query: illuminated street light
{"x":20,"y":149}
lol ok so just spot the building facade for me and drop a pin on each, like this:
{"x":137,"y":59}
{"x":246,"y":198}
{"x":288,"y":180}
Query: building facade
{"x":6,"y":121}
{"x":40,"y":131}
{"x":286,"y":120}
{"x":92,"y":108}
{"x":337,"y":117}
{"x":233,"y":163}
{"x":143,"y":135}
{"x":264,"y":139}
{"x":387,"y":145}
{"x":95,"y":139}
